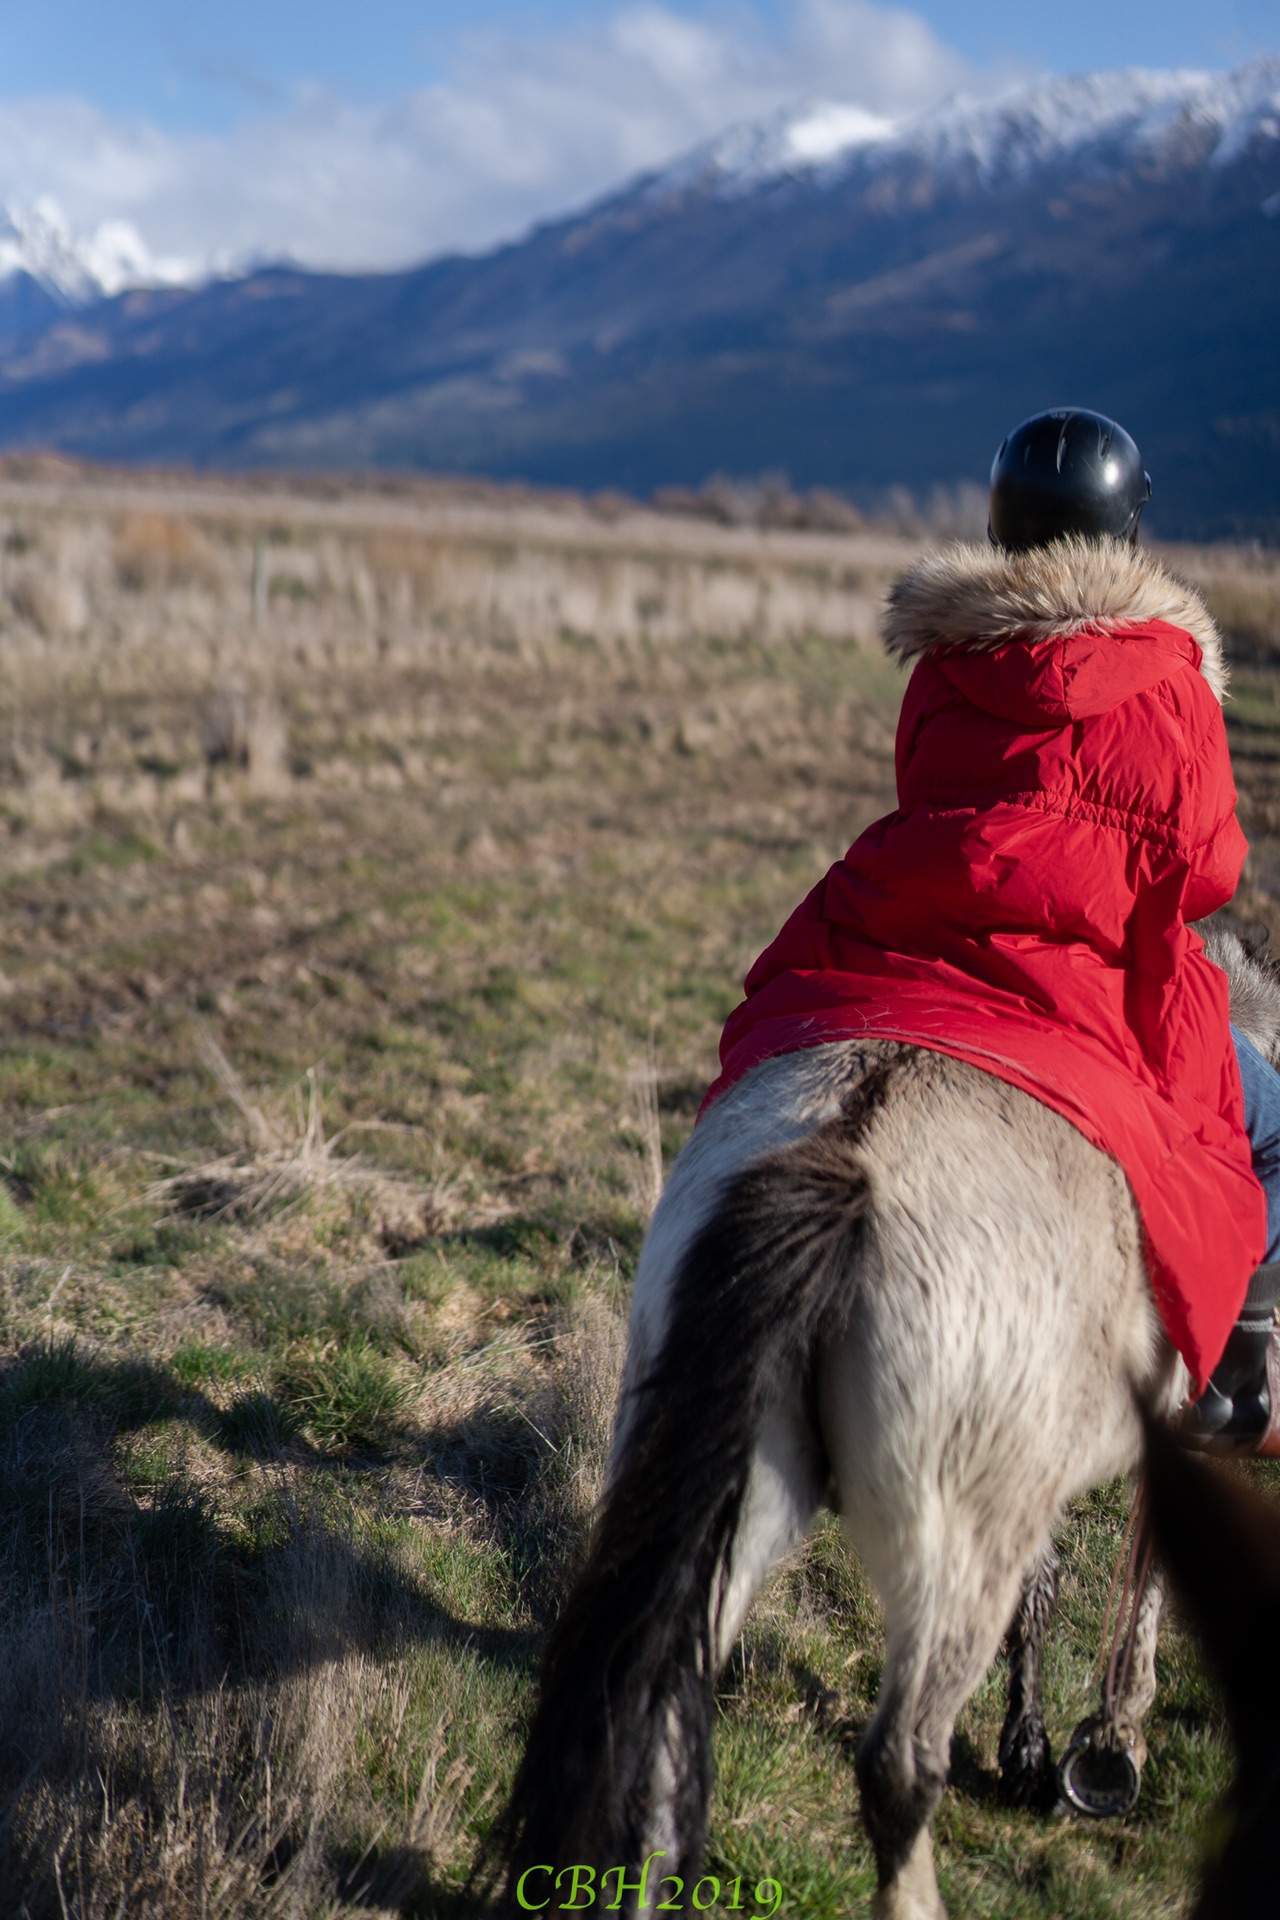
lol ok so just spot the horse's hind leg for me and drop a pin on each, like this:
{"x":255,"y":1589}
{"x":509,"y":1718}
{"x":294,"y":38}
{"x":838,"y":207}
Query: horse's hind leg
{"x":947,"y":1544}
{"x":939,"y":1649}
{"x":1028,"y":1777}
{"x":1138,"y":1696}
{"x":1137,"y":1692}
{"x":784,"y":1487}
{"x":949,"y":1564}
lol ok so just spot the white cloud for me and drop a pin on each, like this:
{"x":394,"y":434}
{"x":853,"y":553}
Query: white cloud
{"x":522,"y":128}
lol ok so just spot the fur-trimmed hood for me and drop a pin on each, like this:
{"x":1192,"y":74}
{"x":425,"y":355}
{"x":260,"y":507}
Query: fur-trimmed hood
{"x":977,"y":597}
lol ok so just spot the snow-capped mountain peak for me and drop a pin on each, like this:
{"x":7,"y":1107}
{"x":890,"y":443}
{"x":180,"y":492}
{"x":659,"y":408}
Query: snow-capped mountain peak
{"x":38,"y":241}
{"x":1140,"y":113}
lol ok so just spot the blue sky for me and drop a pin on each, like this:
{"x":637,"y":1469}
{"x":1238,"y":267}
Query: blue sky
{"x":187,"y":63}
{"x":374,"y":134}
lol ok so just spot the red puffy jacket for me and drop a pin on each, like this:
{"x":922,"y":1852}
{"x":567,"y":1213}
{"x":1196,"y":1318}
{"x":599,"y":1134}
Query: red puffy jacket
{"x":1065,"y":806}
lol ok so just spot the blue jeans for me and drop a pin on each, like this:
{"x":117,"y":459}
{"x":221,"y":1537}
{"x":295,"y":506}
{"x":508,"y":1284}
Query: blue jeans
{"x":1261,"y":1085}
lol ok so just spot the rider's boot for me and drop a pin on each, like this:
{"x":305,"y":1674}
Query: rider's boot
{"x":1239,"y":1410}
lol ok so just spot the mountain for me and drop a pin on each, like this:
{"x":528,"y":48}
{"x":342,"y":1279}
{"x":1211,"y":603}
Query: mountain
{"x":45,"y":272}
{"x":850,"y":300}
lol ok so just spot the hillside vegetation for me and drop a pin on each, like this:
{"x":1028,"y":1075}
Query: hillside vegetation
{"x":378,"y":868}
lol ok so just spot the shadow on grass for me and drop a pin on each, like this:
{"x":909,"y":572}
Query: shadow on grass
{"x":187,"y":1579}
{"x":969,"y":1775}
{"x":107,"y":1398}
{"x":402,"y":1879}
{"x":550,"y":1241}
{"x":182,"y":1593}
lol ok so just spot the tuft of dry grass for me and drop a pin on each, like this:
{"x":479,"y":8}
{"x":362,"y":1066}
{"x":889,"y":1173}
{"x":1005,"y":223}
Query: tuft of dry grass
{"x":244,"y":732}
{"x":280,"y":1160}
{"x":154,"y":551}
{"x":642,"y":1089}
{"x":1242,"y":590}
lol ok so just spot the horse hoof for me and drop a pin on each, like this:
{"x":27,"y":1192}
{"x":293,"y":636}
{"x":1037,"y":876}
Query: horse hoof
{"x":1099,"y":1776}
{"x":1033,"y":1790}
{"x":913,"y":1892}
{"x":1028,"y":1777}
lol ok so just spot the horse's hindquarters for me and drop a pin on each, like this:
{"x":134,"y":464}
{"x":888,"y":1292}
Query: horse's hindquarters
{"x":998,"y":1317}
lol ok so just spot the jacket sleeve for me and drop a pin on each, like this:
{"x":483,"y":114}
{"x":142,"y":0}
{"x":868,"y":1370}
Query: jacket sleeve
{"x":1216,"y":847}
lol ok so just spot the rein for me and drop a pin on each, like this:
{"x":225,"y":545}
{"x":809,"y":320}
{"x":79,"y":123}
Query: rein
{"x":1137,"y":1551}
{"x":1099,"y":1775}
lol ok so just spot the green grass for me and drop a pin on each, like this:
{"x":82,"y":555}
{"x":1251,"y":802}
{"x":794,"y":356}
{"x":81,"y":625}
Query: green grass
{"x":343,"y":1398}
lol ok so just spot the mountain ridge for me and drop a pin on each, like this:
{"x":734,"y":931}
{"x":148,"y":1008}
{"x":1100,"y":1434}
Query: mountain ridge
{"x":1143,"y":109}
{"x":876,"y":311}
{"x":46,"y":270}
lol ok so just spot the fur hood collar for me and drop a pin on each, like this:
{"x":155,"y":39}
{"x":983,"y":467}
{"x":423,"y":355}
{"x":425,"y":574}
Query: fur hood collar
{"x":971,"y":596}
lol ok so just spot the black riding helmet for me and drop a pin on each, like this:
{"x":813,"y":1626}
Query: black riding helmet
{"x":1066,"y":471}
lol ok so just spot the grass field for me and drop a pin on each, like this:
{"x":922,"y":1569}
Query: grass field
{"x":377,"y":872}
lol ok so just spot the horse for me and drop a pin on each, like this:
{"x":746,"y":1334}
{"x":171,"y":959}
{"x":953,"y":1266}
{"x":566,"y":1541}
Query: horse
{"x":881,"y":1278}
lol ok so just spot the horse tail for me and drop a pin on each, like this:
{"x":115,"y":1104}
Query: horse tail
{"x":626,"y":1706}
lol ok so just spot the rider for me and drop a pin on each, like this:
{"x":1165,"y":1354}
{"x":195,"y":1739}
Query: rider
{"x":1065,"y":807}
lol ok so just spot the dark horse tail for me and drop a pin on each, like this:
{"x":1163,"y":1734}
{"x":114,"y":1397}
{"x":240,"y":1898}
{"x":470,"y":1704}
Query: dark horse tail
{"x":628,"y":1673}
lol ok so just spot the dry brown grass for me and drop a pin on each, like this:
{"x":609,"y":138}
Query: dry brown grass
{"x":155,"y":551}
{"x":1243,"y":592}
{"x":279,"y":1160}
{"x":378,"y":871}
